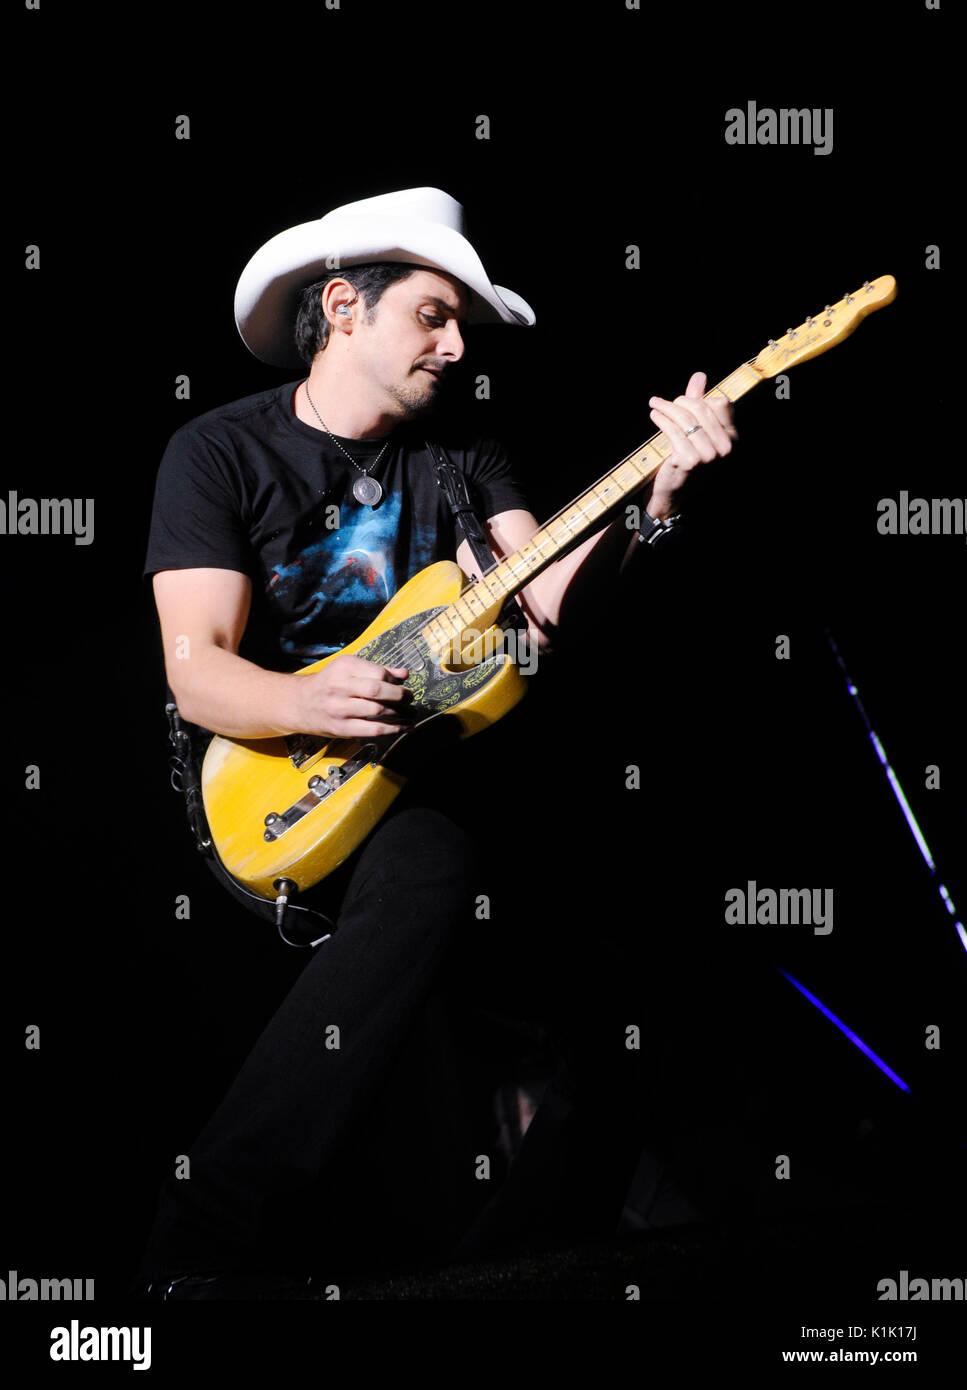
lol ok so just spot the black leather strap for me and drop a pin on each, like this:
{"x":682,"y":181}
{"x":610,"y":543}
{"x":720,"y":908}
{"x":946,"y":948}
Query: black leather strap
{"x":454,"y":486}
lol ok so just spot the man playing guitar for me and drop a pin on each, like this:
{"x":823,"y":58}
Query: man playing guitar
{"x":252,"y":580}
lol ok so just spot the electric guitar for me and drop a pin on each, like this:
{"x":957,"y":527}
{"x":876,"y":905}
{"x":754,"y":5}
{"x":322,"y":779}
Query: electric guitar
{"x":283,"y":813}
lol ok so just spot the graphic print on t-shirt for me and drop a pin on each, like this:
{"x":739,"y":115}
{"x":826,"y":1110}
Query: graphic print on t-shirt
{"x":349,"y":575}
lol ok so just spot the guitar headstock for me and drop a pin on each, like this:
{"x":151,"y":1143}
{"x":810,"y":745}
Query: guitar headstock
{"x":824,"y":330}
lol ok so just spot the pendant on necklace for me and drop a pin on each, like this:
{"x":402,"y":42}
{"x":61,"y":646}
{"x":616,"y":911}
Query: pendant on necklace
{"x":367,"y":491}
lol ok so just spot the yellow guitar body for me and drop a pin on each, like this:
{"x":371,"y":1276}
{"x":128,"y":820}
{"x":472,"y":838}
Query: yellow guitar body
{"x":326,"y":794}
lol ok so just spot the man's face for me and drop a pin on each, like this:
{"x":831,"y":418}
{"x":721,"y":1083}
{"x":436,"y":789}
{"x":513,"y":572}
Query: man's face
{"x":414,"y":338}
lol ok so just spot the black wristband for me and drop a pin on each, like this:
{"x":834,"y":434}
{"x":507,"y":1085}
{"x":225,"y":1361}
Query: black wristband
{"x":651,"y":529}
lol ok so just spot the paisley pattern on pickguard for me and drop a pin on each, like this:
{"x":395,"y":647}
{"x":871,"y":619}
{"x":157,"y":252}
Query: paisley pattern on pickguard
{"x":433,"y":689}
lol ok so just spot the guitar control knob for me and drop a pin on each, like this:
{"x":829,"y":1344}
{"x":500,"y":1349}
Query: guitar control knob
{"x":315,"y":783}
{"x":271,"y":818}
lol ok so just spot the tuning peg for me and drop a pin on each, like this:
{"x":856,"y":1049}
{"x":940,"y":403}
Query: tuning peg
{"x":809,"y":322}
{"x":848,"y":297}
{"x":790,"y":333}
{"x":867,"y":286}
{"x":772,"y":342}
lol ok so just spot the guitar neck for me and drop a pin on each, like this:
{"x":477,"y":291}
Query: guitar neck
{"x":568,"y":527}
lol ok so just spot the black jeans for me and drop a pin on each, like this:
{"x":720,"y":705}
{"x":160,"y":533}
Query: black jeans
{"x":354,"y":1128}
{"x":362,"y":1033}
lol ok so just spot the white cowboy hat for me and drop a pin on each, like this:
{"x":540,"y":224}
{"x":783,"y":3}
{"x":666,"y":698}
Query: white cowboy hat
{"x":423,"y":226}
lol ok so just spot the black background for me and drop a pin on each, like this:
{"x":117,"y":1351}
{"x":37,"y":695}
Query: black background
{"x":607,"y":129}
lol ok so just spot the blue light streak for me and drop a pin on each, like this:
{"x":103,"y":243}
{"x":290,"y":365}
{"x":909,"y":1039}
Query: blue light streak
{"x":853,"y":1037}
{"x":894,"y":782}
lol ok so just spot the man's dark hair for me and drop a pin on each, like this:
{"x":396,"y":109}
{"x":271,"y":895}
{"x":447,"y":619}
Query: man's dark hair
{"x":370,"y":280}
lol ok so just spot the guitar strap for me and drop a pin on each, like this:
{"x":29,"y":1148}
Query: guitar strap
{"x":454,"y":485}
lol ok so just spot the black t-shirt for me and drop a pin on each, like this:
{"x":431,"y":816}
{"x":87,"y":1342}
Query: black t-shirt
{"x":251,"y":487}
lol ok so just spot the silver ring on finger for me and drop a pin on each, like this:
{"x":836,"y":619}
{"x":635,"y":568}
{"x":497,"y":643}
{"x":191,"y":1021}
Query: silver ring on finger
{"x":693,"y":430}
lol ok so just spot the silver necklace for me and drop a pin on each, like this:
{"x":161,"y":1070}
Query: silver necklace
{"x":366,"y":490}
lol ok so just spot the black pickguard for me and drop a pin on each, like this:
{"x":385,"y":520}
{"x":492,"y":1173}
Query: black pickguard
{"x":433,"y":690}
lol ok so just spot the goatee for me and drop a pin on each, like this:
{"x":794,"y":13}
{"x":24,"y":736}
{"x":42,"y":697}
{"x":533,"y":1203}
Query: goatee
{"x":415,"y":401}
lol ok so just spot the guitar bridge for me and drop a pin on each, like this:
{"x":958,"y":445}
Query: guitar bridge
{"x":278,"y":822}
